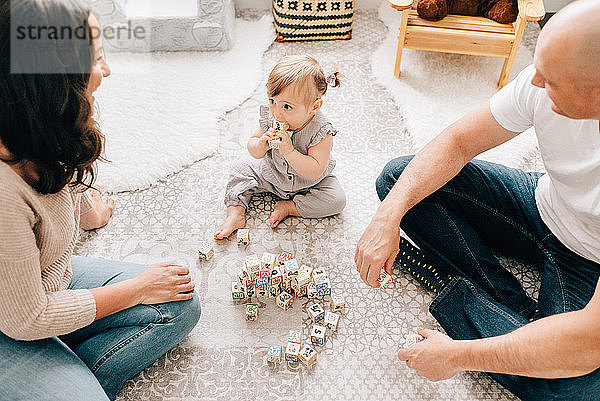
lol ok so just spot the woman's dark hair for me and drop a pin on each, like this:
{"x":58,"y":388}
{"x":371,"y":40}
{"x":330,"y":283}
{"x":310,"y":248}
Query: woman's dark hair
{"x":45,"y":110}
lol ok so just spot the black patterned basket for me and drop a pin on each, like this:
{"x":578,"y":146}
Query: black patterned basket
{"x":313,"y":19}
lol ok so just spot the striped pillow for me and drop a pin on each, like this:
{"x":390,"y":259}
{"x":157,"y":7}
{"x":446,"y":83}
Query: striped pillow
{"x":313,"y":19}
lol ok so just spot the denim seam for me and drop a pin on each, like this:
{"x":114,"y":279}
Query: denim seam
{"x":126,"y":341}
{"x":474,"y":259}
{"x":476,"y":293}
{"x":558,"y":272}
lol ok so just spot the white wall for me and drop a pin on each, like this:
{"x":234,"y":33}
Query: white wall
{"x":266,"y":4}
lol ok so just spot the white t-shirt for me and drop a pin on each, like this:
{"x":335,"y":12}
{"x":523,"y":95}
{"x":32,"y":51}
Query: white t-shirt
{"x":568,"y":195}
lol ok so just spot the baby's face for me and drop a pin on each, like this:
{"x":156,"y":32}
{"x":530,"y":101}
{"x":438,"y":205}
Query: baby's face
{"x":288,"y":107}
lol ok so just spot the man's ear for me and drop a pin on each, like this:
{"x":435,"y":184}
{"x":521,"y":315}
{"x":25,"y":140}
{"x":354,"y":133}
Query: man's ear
{"x":317,"y":105}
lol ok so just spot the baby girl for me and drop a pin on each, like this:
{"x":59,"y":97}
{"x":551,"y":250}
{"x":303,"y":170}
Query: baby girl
{"x":294,"y":161}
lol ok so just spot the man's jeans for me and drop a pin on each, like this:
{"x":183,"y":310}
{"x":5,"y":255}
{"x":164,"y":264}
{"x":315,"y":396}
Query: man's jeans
{"x":488,"y":207}
{"x":93,"y":362}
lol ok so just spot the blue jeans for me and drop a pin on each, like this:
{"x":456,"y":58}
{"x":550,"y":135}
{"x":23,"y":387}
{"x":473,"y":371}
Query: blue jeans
{"x":93,"y":362}
{"x":490,"y":207}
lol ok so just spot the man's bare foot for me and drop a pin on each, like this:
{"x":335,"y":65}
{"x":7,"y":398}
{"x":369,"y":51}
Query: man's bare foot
{"x":282,"y":210}
{"x":236,"y":218}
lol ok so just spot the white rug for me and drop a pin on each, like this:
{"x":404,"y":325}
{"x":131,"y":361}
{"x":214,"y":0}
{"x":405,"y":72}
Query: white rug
{"x":436,"y":89}
{"x":159,"y":111}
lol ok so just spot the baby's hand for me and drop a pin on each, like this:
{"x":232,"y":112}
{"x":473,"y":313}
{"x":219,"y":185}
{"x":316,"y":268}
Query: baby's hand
{"x":286,"y":147}
{"x":266,"y":137}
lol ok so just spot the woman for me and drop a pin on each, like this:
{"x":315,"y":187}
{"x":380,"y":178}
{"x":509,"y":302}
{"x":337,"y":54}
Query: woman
{"x":71,"y":328}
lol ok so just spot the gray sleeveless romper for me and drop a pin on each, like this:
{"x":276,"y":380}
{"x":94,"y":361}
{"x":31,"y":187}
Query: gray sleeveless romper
{"x":313,"y":198}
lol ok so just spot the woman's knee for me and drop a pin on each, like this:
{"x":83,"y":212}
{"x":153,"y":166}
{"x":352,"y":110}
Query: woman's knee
{"x":389,"y":175}
{"x":185,"y":313}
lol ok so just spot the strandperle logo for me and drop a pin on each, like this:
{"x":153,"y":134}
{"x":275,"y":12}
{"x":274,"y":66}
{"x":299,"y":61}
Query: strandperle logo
{"x":81,"y":32}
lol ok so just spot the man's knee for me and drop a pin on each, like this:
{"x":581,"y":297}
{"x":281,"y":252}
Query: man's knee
{"x":389,"y":175}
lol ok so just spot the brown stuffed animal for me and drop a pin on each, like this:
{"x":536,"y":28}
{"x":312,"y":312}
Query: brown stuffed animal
{"x":502,"y":11}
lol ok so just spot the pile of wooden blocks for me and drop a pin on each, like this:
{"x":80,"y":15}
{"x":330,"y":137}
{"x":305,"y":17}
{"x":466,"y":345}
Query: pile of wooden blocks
{"x":282,"y":278}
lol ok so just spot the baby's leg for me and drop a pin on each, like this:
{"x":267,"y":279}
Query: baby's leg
{"x":324,"y":199}
{"x":243,"y":182}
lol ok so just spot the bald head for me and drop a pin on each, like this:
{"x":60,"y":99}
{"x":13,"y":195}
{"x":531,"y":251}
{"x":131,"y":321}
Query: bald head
{"x":572,"y":38}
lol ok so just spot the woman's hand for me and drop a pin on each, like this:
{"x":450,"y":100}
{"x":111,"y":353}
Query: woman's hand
{"x":164,"y":282}
{"x":100,"y":213}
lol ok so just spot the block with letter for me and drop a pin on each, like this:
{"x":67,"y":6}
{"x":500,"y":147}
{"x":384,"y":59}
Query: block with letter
{"x":338,"y":303}
{"x":243,"y":236}
{"x":205,"y":251}
{"x":252,"y":264}
{"x":283,"y":256}
{"x":284,"y":300}
{"x":275,"y":353}
{"x":251,"y":312}
{"x":276,"y":276}
{"x":237,"y":292}
{"x":269,"y":259}
{"x":295,"y":336}
{"x":317,"y":335}
{"x":307,"y":355}
{"x":291,"y":352}
{"x":384,"y":280}
{"x":331,"y":320}
{"x":316,"y":313}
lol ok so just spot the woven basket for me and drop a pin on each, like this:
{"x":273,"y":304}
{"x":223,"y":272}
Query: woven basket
{"x":313,"y":19}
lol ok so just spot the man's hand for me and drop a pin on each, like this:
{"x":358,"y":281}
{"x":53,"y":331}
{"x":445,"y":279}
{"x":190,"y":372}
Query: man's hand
{"x":431,"y":358}
{"x":377,"y":248}
{"x":99,"y":214}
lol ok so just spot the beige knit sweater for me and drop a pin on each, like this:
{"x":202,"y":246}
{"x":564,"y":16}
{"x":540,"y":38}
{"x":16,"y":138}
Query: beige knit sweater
{"x":37,"y":236}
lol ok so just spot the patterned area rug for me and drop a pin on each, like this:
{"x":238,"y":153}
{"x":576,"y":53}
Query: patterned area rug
{"x":224,"y":357}
{"x":166,"y":105}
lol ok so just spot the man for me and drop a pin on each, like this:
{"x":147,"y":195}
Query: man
{"x":457,"y":211}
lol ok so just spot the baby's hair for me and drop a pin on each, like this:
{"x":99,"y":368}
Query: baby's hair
{"x":304,"y":72}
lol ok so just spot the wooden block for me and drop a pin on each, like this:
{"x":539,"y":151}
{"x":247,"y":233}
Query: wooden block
{"x":279,"y":126}
{"x":273,"y":291}
{"x":251,"y":312}
{"x":338,"y":303}
{"x":331,"y":320}
{"x":411,"y":339}
{"x":268,"y":260}
{"x":283,"y":256}
{"x":384,"y":280}
{"x":307,"y":355}
{"x":295,"y":336}
{"x":261,"y":282}
{"x":237,"y":292}
{"x":276,"y":276}
{"x":284,"y":300}
{"x":304,"y":275}
{"x":291,"y":352}
{"x":243,"y":236}
{"x":291,"y":268}
{"x":311,"y":290}
{"x":252,"y":264}
{"x":205,"y":251}
{"x":301,"y":291}
{"x":316,"y":313}
{"x":274,"y":143}
{"x":275,"y":353}
{"x":317,"y":335}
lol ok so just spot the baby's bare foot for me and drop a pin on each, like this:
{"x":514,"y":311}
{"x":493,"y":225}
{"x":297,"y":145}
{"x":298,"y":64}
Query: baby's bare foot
{"x":236,"y":218}
{"x":282,"y":210}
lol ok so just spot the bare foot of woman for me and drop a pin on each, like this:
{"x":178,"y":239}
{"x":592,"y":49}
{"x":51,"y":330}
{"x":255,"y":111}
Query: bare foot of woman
{"x":282,"y":210}
{"x":236,"y":218}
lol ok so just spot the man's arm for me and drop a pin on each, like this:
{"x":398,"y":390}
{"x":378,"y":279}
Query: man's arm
{"x":557,"y":346}
{"x":436,"y":164}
